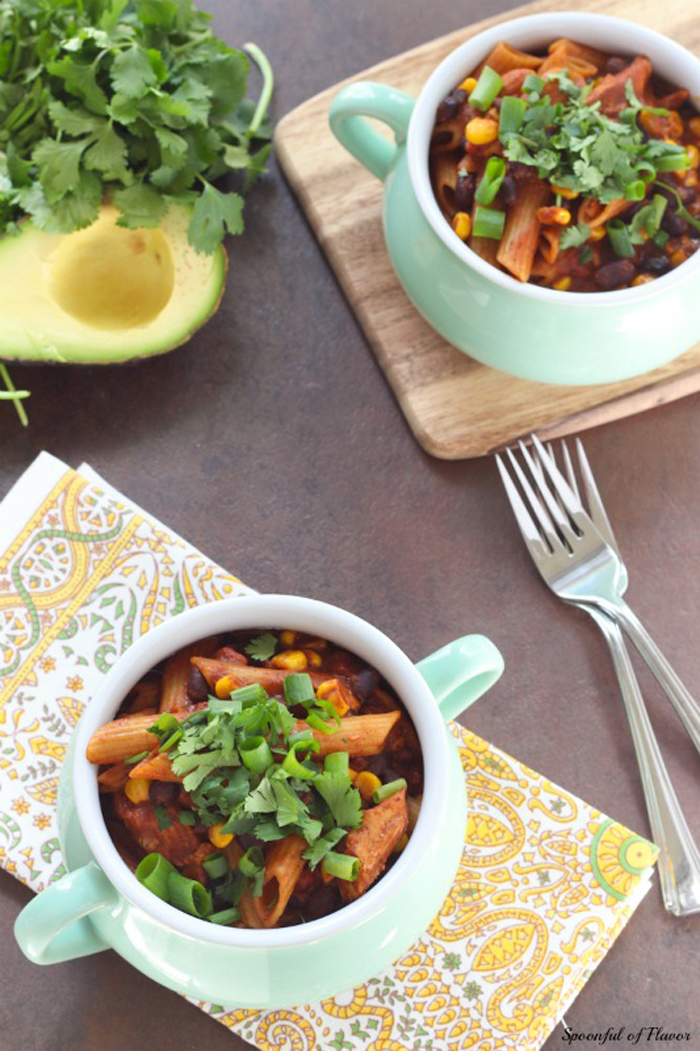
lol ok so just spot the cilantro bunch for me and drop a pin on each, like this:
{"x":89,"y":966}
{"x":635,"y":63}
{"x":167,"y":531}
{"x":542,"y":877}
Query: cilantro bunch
{"x":575,"y":146}
{"x":135,"y":100}
{"x":246,"y":768}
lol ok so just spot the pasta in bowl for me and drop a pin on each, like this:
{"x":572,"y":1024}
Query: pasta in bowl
{"x":444,"y":244}
{"x":151,"y":866}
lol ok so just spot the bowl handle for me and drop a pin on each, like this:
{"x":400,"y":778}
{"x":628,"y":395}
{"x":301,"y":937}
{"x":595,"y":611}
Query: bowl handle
{"x":53,"y":927}
{"x":460,"y":672}
{"x":364,"y":99}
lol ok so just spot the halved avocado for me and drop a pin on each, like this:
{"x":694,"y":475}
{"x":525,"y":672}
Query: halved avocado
{"x":105,"y":294}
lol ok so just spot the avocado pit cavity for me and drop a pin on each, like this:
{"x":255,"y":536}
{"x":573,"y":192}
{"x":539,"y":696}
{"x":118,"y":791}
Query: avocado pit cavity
{"x":112,"y":278}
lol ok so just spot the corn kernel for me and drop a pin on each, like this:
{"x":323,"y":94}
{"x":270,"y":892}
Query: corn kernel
{"x":313,"y":658}
{"x":480,"y":131}
{"x":564,"y":191}
{"x":559,"y":216}
{"x":287,"y":637}
{"x":219,"y":839}
{"x":563,"y":284}
{"x":643,"y":279}
{"x":694,"y":125}
{"x":462,"y":225}
{"x":290,"y":660}
{"x":352,"y":774}
{"x":678,"y":257}
{"x":329,"y":691}
{"x":224,"y":687}
{"x":401,"y":845}
{"x":137,"y":789}
{"x":367,"y":783}
{"x":691,"y":178}
{"x":468,"y":85}
{"x":693,"y":156}
{"x":598,"y":232}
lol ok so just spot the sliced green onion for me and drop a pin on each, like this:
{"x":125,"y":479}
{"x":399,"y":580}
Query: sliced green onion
{"x":153,"y":872}
{"x":328,"y":708}
{"x":243,"y":697}
{"x":343,"y":866}
{"x":317,"y":723}
{"x":226,"y":916}
{"x":187,"y":817}
{"x":292,"y":766}
{"x":256,"y":755}
{"x":302,"y":735}
{"x":252,"y":862}
{"x":136,"y":758}
{"x":533,"y":83}
{"x":619,"y":238}
{"x":488,"y":222}
{"x":645,"y":169}
{"x":173,"y":739}
{"x":675,"y":161}
{"x":491,"y":180}
{"x":635,"y":191}
{"x":189,"y":895}
{"x":487,"y":87}
{"x":298,"y":689}
{"x":215,"y":865}
{"x":336,"y":763}
{"x":164,"y":726}
{"x":511,"y":115}
{"x":390,"y":789}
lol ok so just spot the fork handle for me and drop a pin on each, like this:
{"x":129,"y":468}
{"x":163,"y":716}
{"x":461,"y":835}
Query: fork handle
{"x":679,"y":859}
{"x":670,"y":683}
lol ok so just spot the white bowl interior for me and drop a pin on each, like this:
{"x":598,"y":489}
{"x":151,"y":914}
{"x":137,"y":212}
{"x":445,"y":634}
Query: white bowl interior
{"x":278,"y":612}
{"x":614,"y":35}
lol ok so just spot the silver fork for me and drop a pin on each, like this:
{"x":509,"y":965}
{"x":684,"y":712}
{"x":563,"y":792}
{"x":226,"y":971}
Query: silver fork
{"x":579,"y":564}
{"x":679,"y":860}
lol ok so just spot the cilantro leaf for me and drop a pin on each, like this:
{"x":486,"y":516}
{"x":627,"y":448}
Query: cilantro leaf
{"x":317,"y":852}
{"x":574,"y":236}
{"x":344,"y":801}
{"x":140,"y":205}
{"x":132,"y":72}
{"x":108,"y":154}
{"x":213,"y":214}
{"x":162,"y":817}
{"x":262,"y":647}
{"x":60,"y":166}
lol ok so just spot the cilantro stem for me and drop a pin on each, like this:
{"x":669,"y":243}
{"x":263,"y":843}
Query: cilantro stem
{"x":12,"y":394}
{"x":265,"y":68}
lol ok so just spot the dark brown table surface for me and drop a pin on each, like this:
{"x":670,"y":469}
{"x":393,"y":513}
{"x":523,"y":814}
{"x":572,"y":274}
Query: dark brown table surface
{"x":273,"y":442}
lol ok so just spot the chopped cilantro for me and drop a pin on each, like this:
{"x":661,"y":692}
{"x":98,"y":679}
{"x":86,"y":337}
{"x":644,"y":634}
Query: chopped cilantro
{"x":317,"y":852}
{"x":576,"y":147}
{"x":162,"y":817}
{"x":574,"y":236}
{"x":344,"y":801}
{"x":262,"y":647}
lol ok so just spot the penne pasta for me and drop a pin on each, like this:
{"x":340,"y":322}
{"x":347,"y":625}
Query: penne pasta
{"x":125,"y":737}
{"x":155,"y":767}
{"x":271,"y":679}
{"x":516,"y":250}
{"x":374,"y":841}
{"x":114,"y":777}
{"x":283,"y":867}
{"x":176,"y":675}
{"x":504,"y":57}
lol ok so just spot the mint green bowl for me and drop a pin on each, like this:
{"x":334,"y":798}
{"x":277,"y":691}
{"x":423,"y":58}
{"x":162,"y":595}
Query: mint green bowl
{"x":531,"y":332}
{"x":101,"y":905}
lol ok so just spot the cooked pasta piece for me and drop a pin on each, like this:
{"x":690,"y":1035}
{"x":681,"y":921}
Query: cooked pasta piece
{"x":382,"y":828}
{"x":283,"y":867}
{"x":516,"y":250}
{"x":176,"y":673}
{"x":122,"y":738}
{"x":505,"y":57}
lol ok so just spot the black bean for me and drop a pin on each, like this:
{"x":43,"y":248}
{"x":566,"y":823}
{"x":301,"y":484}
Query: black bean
{"x":673,"y":224}
{"x":197,"y":686}
{"x":464,"y":192}
{"x":656,"y":264}
{"x":163,"y":792}
{"x":450,"y":105}
{"x":508,"y":191}
{"x":615,"y":64}
{"x":365,"y":683}
{"x":613,"y":275}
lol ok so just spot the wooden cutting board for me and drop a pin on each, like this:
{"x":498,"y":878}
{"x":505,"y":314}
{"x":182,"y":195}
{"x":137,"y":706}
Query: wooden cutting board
{"x":455,"y":406}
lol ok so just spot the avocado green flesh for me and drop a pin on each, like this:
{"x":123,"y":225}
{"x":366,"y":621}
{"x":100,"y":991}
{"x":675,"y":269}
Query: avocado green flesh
{"x":104,"y":294}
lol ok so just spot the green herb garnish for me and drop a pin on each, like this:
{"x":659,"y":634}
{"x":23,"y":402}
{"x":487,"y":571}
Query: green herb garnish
{"x":575,"y":146}
{"x":162,"y":817}
{"x":134,"y":99}
{"x":262,"y":647}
